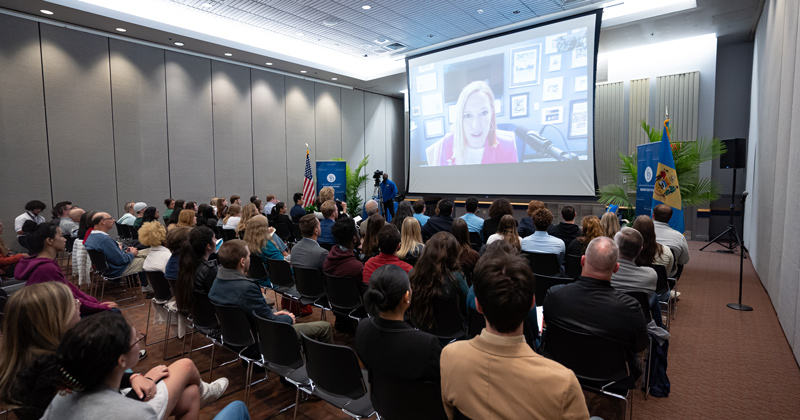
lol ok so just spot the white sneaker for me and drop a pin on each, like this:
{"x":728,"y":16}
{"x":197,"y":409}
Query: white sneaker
{"x":211,"y":392}
{"x":675,"y":294}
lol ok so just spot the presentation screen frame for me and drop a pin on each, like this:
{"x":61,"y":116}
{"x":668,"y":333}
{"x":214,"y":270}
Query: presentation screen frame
{"x":502,"y":85}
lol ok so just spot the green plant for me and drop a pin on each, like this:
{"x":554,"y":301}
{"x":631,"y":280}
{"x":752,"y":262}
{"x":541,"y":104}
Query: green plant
{"x":355,"y":182}
{"x":687,"y":155}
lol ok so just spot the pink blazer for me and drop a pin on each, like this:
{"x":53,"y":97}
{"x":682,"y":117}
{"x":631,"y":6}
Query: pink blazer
{"x":441,"y":152}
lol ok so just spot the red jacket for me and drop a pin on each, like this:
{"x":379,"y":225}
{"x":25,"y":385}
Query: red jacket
{"x":380,"y":260}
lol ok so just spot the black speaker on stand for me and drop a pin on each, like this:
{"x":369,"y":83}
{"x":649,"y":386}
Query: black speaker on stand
{"x":734,"y":158}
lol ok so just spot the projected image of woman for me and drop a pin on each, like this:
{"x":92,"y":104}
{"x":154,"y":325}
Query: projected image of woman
{"x":475,"y":138}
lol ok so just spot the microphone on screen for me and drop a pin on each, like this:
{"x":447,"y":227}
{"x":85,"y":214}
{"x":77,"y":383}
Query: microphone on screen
{"x":542,"y":145}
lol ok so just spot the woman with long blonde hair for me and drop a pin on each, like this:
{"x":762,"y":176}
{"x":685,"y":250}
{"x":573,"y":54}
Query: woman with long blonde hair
{"x":261,"y":239}
{"x":506,"y":231}
{"x":248,"y":212}
{"x":410,"y":241}
{"x":610,"y":224}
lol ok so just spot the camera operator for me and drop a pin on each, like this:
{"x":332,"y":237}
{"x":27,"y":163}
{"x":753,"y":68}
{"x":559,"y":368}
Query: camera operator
{"x":389,"y":192}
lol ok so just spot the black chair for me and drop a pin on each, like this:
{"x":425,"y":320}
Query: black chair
{"x":601,"y":365}
{"x":280,"y":353}
{"x":282,"y":278}
{"x":237,"y":336}
{"x":311,"y":288}
{"x":475,"y":323}
{"x":337,"y":377}
{"x":3,"y":300}
{"x":542,"y":285}
{"x":448,"y":323}
{"x":228,"y":234}
{"x":101,"y":267}
{"x":134,"y":232}
{"x":475,"y":240}
{"x":163,"y":294}
{"x":204,"y":321}
{"x":644,"y":301}
{"x":123,"y":231}
{"x":326,"y":245}
{"x":283,"y":232}
{"x":545,"y":264}
{"x":663,"y":289}
{"x":345,"y":297}
{"x":295,"y":228}
{"x":572,"y":266}
{"x":395,"y":400}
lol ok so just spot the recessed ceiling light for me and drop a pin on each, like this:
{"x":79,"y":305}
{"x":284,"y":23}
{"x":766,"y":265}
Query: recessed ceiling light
{"x":299,"y":34}
{"x":47,"y":12}
{"x":180,"y":44}
{"x":122,"y":30}
{"x":480,"y":11}
{"x":206,"y":5}
{"x":303,"y":71}
{"x":228,"y":54}
{"x":269,"y":64}
{"x":366,"y":7}
{"x":334,"y":78}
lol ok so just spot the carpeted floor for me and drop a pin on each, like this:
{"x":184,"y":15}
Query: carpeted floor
{"x":722,"y":363}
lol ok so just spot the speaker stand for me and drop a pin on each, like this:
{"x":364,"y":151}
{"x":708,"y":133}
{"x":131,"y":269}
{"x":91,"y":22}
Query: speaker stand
{"x":738,"y":306}
{"x":730,"y":231}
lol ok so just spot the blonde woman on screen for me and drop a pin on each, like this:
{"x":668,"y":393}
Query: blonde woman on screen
{"x":475,"y":138}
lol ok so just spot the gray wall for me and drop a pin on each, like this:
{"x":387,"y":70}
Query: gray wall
{"x":101,"y":121}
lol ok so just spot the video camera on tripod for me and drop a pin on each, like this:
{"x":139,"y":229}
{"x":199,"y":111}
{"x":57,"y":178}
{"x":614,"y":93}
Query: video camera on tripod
{"x":377,"y":175}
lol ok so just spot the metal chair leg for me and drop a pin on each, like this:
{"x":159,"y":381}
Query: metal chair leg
{"x":166,"y":334}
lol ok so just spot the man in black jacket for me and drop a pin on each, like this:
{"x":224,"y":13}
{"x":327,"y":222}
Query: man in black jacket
{"x":566,"y":230}
{"x":442,"y":222}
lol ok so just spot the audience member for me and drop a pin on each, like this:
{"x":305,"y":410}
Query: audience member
{"x":506,"y":231}
{"x":653,"y":253}
{"x":175,"y":240}
{"x":60,"y":209}
{"x":307,"y":253}
{"x":259,"y":206}
{"x":195,"y":274}
{"x":32,"y":212}
{"x":526,"y":227}
{"x":523,"y":383}
{"x":170,"y":203}
{"x":8,"y":261}
{"x":541,"y":242}
{"x":387,"y":345}
{"x":45,"y":242}
{"x":139,"y":209}
{"x":410,"y":241}
{"x":342,"y":260}
{"x":419,"y":212}
{"x":150,"y":215}
{"x":235,"y":199}
{"x":248,"y":212}
{"x":233,"y":287}
{"x":591,"y":229}
{"x":325,"y":194}
{"x":187,"y":218}
{"x":388,"y":192}
{"x":208,"y":219}
{"x":388,"y":243}
{"x":261,"y":239}
{"x":120,"y":264}
{"x":232,"y":218}
{"x":297,"y":210}
{"x":279,"y":214}
{"x":371,"y":207}
{"x":272,"y":200}
{"x":440,"y":223}
{"x":154,"y":235}
{"x":467,"y":257}
{"x":81,"y":264}
{"x":474,"y":222}
{"x":566,"y":230}
{"x":71,"y":225}
{"x":329,"y":215}
{"x":176,"y":212}
{"x":130,"y":215}
{"x":610,"y":223}
{"x":253,"y":198}
{"x":499,"y":208}
{"x":629,"y":277}
{"x":591,"y":306}
{"x":369,"y":243}
{"x":191,"y":205}
{"x":437,"y":276}
{"x":667,"y":236}
{"x":404,"y":210}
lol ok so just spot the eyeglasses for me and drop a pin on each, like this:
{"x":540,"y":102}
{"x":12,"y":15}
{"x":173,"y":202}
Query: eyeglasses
{"x":107,"y":218}
{"x":139,"y":337}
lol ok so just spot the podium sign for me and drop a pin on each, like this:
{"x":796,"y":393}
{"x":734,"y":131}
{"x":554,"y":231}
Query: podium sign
{"x":332,"y":173}
{"x":646,"y":177}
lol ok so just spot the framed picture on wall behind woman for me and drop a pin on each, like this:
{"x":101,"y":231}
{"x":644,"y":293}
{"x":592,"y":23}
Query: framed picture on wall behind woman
{"x":526,"y":65}
{"x":519,"y":105}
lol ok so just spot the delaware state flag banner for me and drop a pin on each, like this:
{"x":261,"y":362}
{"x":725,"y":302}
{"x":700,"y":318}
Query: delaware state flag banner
{"x":666,"y":189}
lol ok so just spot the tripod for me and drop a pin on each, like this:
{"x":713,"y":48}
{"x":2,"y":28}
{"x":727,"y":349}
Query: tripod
{"x":739,"y":306}
{"x":733,"y":236}
{"x":377,"y":194}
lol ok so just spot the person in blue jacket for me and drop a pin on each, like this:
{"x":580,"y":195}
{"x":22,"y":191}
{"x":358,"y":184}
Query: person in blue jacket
{"x":389,"y":192}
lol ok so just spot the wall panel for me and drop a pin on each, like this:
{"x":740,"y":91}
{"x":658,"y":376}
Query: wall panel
{"x":328,"y":121}
{"x":79,"y":118}
{"x":139,"y":104}
{"x":609,"y":123}
{"x":353,"y":129}
{"x":269,"y":135}
{"x":299,"y":130}
{"x":638,"y":111}
{"x":374,"y":136}
{"x":23,"y":134}
{"x":233,"y":136}
{"x":191,"y":141}
{"x":395,"y":145}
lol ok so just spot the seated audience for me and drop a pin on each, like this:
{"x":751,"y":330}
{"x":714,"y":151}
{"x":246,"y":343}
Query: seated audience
{"x":91,"y":362}
{"x":61,"y":218}
{"x":173,"y":218}
{"x":120,"y":264}
{"x":249,"y":211}
{"x":170,"y":203}
{"x":342,"y":260}
{"x":541,"y":241}
{"x":8,"y":260}
{"x":175,"y":241}
{"x":191,"y":205}
{"x":154,"y":235}
{"x":440,"y":223}
{"x":208,"y":218}
{"x":60,"y":209}
{"x":260,"y":238}
{"x":139,"y":209}
{"x":195,"y":273}
{"x":329,"y":215}
{"x":307,"y":253}
{"x":234,"y":215}
{"x":279,"y":214}
{"x":524,"y":384}
{"x":297,"y":210}
{"x":526,"y":227}
{"x":187,"y":218}
{"x":32,"y":213}
{"x":81,"y":264}
{"x":467,"y":257}
{"x":385,"y":343}
{"x":653,"y":253}
{"x":371,"y":208}
{"x":130,"y":215}
{"x":419,"y":212}
{"x":437,"y":276}
{"x":388,"y":244}
{"x":150,"y":215}
{"x":474,"y":222}
{"x":506,"y":231}
{"x":272,"y":200}
{"x":410,"y":240}
{"x":591,"y":229}
{"x":629,"y":277}
{"x":499,"y":208}
{"x":665,"y":235}
{"x":610,"y":223}
{"x":45,"y":242}
{"x":404,"y":210}
{"x":369,"y":243}
{"x":233,"y":287}
{"x":72,"y":225}
{"x":592,"y":306}
{"x":566,"y":230}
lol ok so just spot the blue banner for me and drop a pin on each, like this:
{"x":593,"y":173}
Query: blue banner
{"x":332,"y":173}
{"x":646,"y":173}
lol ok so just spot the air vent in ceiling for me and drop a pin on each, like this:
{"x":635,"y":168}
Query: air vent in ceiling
{"x":395,"y":47}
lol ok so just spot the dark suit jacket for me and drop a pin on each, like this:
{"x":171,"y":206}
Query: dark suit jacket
{"x":435,"y":225}
{"x":308,"y":254}
{"x":489,"y":228}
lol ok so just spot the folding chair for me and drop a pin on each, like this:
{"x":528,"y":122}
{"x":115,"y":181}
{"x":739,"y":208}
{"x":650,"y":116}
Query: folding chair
{"x":163,"y":294}
{"x":662,"y":290}
{"x":545,"y":264}
{"x":448,"y":323}
{"x":395,"y":399}
{"x":237,"y":336}
{"x":475,"y":240}
{"x":282,"y":278}
{"x":572,"y":266}
{"x":311,"y":288}
{"x":204,"y":320}
{"x":345,"y":297}
{"x":228,"y":234}
{"x":100,"y":267}
{"x":542,"y":285}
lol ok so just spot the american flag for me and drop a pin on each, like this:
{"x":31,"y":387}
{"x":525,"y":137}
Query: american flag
{"x":308,"y":184}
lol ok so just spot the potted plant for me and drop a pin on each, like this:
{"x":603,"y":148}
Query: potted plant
{"x":355,"y":182}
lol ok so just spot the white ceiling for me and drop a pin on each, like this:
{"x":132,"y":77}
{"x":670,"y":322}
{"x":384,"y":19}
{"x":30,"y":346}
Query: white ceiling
{"x":341,"y":39}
